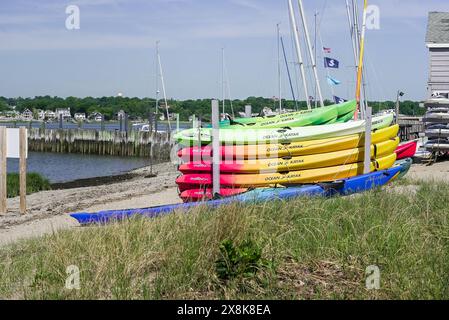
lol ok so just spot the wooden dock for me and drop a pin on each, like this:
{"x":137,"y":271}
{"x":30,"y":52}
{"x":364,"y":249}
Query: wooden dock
{"x":410,"y":128}
{"x":157,"y":146}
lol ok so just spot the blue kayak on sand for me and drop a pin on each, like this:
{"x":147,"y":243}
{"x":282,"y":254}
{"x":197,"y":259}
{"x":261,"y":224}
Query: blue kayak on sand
{"x":343,"y":187}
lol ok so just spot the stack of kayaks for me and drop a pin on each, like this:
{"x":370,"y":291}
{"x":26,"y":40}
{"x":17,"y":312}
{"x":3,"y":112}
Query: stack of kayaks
{"x":265,"y":164}
{"x":279,"y":151}
{"x":348,"y":186}
{"x":437,"y":125}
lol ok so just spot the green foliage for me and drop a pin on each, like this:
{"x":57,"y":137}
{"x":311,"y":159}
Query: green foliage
{"x":35,"y":183}
{"x":317,"y":249}
{"x":3,"y":105}
{"x":409,"y":108}
{"x":241,"y":261}
{"x":140,"y":108}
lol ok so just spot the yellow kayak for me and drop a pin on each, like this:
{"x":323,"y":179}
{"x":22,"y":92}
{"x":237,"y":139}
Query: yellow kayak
{"x":264,"y":151}
{"x":322,"y":160}
{"x":194,"y":181}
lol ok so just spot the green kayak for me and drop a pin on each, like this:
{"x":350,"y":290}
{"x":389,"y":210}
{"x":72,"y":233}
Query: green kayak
{"x":237,"y":136}
{"x":346,"y":107}
{"x":345,"y":118}
{"x":301,"y":118}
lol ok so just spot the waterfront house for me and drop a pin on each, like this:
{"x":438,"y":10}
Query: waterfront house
{"x":268,"y":112}
{"x":12,"y":114}
{"x":65,"y":112}
{"x":437,"y":41}
{"x":172,"y":116}
{"x":99,"y":117}
{"x":27,"y":115}
{"x":96,"y":116}
{"x":5,"y":115}
{"x":40,"y":114}
{"x":50,"y":115}
{"x":121,"y":115}
{"x":79,"y":116}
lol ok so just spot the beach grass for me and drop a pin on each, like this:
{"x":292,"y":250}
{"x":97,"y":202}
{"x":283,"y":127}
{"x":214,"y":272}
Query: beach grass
{"x":35,"y":183}
{"x":302,"y":249}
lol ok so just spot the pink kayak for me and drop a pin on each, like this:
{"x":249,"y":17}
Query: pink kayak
{"x":193,"y":195}
{"x":406,"y":150}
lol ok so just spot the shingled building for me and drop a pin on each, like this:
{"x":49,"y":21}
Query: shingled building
{"x":437,"y":40}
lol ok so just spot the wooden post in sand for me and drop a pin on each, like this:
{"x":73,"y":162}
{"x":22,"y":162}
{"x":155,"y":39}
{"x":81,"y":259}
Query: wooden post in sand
{"x":18,"y":148}
{"x":23,"y":169}
{"x":216,"y":155}
{"x":3,"y":193}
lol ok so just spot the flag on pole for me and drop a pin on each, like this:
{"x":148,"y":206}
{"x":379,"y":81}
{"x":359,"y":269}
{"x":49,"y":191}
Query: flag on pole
{"x":331,"y":63}
{"x":339,"y":100}
{"x":327,"y":50}
{"x":332,"y":81}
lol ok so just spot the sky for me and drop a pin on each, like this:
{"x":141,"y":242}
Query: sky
{"x":114,"y":49}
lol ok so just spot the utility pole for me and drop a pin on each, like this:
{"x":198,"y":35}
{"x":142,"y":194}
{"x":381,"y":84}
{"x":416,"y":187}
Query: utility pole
{"x":400,"y":94}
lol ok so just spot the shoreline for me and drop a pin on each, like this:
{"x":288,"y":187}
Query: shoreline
{"x":48,"y":211}
{"x":144,"y":171}
{"x":92,"y":182}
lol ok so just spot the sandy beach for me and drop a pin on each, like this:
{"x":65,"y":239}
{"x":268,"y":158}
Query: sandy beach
{"x":49,"y":211}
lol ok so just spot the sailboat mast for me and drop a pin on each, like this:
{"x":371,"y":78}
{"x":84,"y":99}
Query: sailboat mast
{"x":157,"y":80}
{"x":279,"y":67}
{"x":354,"y":35}
{"x":298,"y":51}
{"x":361,"y":56}
{"x":355,"y":16}
{"x":163,"y":88}
{"x":315,"y":50}
{"x":288,"y":73}
{"x":223,"y":78}
{"x":351,"y":31}
{"x":358,"y":40}
{"x":309,"y":46}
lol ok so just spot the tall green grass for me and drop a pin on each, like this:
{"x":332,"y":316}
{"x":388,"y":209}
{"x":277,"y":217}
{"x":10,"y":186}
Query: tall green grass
{"x":35,"y":183}
{"x":309,"y":249}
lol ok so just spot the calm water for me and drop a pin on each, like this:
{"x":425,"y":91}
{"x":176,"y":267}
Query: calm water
{"x":68,"y":167}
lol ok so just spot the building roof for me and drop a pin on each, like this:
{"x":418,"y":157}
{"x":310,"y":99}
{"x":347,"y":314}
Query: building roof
{"x":438,"y":28}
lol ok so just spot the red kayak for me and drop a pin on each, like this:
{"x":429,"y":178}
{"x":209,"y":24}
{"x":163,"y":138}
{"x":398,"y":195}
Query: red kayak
{"x":406,"y":150}
{"x":193,"y":195}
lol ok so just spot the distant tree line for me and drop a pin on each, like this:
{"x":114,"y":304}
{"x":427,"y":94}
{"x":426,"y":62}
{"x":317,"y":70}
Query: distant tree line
{"x":140,"y":108}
